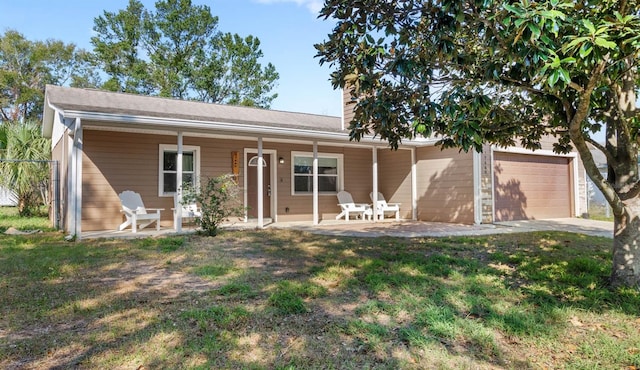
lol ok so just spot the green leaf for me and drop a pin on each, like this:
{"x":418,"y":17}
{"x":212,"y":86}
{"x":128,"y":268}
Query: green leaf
{"x":535,"y":30}
{"x":517,"y":11}
{"x":553,"y":78}
{"x":589,"y":26}
{"x":585,"y":50}
{"x":605,"y":43}
{"x":575,"y":42}
{"x":564,"y":75}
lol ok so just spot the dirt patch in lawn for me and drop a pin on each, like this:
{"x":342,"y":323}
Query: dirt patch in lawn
{"x":286,"y":299}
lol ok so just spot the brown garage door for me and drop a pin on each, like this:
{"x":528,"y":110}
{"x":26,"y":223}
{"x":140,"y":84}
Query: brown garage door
{"x":531,"y":186}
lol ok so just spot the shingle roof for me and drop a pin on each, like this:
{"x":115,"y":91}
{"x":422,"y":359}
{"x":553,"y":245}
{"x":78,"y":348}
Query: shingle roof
{"x":98,"y":101}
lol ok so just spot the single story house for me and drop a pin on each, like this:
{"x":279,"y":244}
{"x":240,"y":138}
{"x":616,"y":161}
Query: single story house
{"x":108,"y":142}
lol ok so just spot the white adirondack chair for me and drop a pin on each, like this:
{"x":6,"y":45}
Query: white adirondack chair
{"x":136,"y":213}
{"x":348,"y":206}
{"x":383,"y":207}
{"x":189,"y":210}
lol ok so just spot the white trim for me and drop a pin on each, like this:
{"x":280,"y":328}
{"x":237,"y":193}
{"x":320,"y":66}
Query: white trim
{"x":260,"y":185}
{"x":78,"y":142}
{"x":493,"y":188}
{"x":274,"y":184}
{"x":172,"y":147}
{"x":180,"y":150}
{"x":546,"y":153}
{"x":576,"y":187}
{"x":477,"y":187}
{"x":338,"y":156}
{"x":172,"y":124}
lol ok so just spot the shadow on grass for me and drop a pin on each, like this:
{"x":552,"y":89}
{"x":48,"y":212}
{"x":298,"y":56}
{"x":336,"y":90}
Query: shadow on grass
{"x":286,"y":299}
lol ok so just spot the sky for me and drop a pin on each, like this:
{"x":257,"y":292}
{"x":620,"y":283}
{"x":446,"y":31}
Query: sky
{"x":287,"y":30}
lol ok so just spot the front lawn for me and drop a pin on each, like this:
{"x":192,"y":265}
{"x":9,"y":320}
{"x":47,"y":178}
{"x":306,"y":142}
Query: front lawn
{"x":292,"y":300}
{"x":9,"y":218}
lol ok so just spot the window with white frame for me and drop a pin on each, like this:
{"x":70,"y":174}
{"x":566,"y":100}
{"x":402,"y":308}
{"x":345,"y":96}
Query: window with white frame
{"x":329,"y":173}
{"x":169,"y":167}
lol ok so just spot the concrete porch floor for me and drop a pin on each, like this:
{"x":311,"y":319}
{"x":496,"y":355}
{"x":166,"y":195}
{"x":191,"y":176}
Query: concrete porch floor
{"x":408,"y":229}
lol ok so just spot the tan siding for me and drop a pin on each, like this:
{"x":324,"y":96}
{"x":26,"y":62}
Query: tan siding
{"x":358,"y":173}
{"x":114,"y":162}
{"x":445,"y":185}
{"x":347,"y":108}
{"x":357,"y":180}
{"x":394,"y":178}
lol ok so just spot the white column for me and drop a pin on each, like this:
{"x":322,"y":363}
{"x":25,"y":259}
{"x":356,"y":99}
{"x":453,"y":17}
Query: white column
{"x":414,"y":186}
{"x":71,"y":175}
{"x":260,"y":185}
{"x":316,"y":217}
{"x":477,"y":187}
{"x":375,"y":183}
{"x":77,"y":196}
{"x":178,"y":218}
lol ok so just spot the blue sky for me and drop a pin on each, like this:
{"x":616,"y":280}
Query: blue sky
{"x":287,"y":30}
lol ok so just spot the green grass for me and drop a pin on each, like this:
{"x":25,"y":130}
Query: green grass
{"x":9,"y":218}
{"x":291,"y":300}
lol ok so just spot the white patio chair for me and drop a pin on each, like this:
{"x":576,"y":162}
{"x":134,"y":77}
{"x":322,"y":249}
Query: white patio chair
{"x":348,"y":206}
{"x":186,"y":210}
{"x":383,"y":207}
{"x":136,"y":213}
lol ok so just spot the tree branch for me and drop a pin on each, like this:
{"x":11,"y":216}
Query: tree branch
{"x":601,"y":148}
{"x":578,"y":139}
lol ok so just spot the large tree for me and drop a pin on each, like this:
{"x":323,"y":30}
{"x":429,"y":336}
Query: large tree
{"x":501,"y":72}
{"x":27,"y":66}
{"x":177,"y":51}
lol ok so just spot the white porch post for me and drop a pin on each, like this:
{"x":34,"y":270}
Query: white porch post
{"x":178,"y":218}
{"x":315,"y":183}
{"x":77,"y":180}
{"x":414,"y":186}
{"x":260,"y":185}
{"x":375,"y":183}
{"x":477,"y":186}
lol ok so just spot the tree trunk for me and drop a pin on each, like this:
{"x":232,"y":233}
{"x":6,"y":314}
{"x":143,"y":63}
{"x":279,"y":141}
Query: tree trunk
{"x":626,"y":247}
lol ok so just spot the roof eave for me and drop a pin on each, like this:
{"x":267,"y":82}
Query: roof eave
{"x":182,"y":124}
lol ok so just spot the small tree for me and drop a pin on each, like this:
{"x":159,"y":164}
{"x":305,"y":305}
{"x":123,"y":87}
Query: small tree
{"x":219,"y":199}
{"x":23,"y":168}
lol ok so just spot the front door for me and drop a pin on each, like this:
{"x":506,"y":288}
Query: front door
{"x":252,"y":185}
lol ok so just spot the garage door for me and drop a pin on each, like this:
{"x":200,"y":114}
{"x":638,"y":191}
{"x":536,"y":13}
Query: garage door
{"x":531,"y":186}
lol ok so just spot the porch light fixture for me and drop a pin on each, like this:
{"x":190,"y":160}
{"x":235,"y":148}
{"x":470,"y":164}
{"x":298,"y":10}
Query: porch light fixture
{"x":281,"y":160}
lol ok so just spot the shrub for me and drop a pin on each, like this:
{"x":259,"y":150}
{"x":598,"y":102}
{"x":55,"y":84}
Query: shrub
{"x":219,"y":198}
